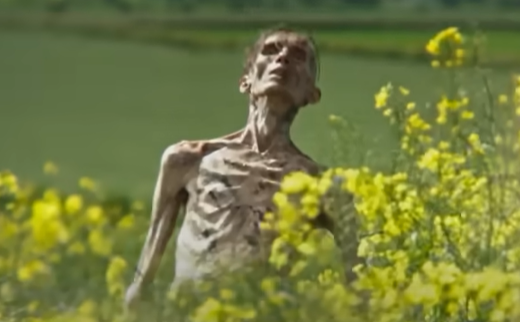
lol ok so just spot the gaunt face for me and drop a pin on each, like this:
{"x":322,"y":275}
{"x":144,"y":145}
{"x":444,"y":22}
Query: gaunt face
{"x":283,"y":67}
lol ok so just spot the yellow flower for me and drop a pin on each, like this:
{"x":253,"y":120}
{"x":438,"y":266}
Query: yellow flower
{"x":8,"y":229}
{"x":87,"y":183}
{"x":457,"y":38}
{"x":451,"y":55}
{"x":29,"y":270}
{"x":52,"y":196}
{"x":430,"y":159}
{"x":404,"y":91}
{"x":208,"y":311}
{"x":268,"y":285}
{"x":46,"y":225}
{"x":503,"y":99}
{"x":433,"y":47}
{"x":114,"y":275}
{"x":9,"y":181}
{"x":50,"y":168}
{"x":467,"y":115}
{"x":324,"y":183}
{"x":416,"y":122}
{"x":73,"y":204}
{"x":382,"y":96}
{"x":76,"y":248}
{"x":296,"y":182}
{"x":421,"y":293}
{"x":306,"y":248}
{"x":310,"y":205}
{"x":95,"y":215}
{"x":392,"y":228}
{"x":126,"y":222}
{"x":460,"y":53}
{"x":328,"y":277}
{"x":87,"y":307}
{"x":450,"y":31}
{"x":474,"y":141}
{"x":99,"y":244}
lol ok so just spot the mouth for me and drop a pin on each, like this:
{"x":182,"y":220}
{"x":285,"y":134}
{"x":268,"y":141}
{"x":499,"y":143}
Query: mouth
{"x":278,"y":71}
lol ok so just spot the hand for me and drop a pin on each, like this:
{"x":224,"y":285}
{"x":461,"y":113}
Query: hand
{"x":132,"y":296}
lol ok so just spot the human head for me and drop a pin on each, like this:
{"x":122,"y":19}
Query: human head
{"x":283,"y":63}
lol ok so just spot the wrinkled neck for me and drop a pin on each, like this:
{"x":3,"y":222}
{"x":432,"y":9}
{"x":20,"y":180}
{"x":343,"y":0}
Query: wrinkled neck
{"x":269,"y":123}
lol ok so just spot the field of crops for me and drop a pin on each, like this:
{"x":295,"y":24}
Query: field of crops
{"x":438,"y":230}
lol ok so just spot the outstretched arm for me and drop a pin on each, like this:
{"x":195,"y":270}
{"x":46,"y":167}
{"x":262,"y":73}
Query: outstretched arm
{"x":169,"y":196}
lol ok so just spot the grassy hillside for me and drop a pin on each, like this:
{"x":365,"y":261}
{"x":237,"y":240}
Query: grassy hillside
{"x":389,"y":38}
{"x":108,"y":109}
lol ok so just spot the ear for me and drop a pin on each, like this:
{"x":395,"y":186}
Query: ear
{"x":315,"y":95}
{"x":244,"y":85}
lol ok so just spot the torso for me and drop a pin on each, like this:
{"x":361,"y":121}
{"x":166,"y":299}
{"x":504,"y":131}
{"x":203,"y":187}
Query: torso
{"x":229,"y":192}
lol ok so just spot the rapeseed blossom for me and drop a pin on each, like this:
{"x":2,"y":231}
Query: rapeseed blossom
{"x":50,"y":240}
{"x":446,"y":48}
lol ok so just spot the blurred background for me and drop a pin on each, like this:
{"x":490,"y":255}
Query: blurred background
{"x":101,"y":87}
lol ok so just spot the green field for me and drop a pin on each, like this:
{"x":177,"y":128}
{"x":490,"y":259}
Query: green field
{"x":107,"y":109}
{"x":498,"y":44}
{"x":358,"y":36}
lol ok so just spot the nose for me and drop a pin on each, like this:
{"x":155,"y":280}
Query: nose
{"x":282,"y":57}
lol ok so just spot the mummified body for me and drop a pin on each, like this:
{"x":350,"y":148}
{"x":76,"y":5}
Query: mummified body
{"x":227,"y":184}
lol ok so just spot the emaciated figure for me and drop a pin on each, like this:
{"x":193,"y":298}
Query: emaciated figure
{"x":227,"y":184}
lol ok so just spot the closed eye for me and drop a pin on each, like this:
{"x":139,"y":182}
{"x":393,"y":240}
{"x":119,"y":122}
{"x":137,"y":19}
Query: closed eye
{"x":270,"y":49}
{"x":299,"y":53}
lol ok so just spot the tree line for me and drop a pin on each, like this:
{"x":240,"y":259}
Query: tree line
{"x":127,"y":6}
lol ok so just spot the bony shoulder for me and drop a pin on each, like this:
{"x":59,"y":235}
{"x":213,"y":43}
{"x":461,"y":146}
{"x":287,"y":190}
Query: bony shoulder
{"x":185,"y":152}
{"x":181,"y":153}
{"x":178,"y":147}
